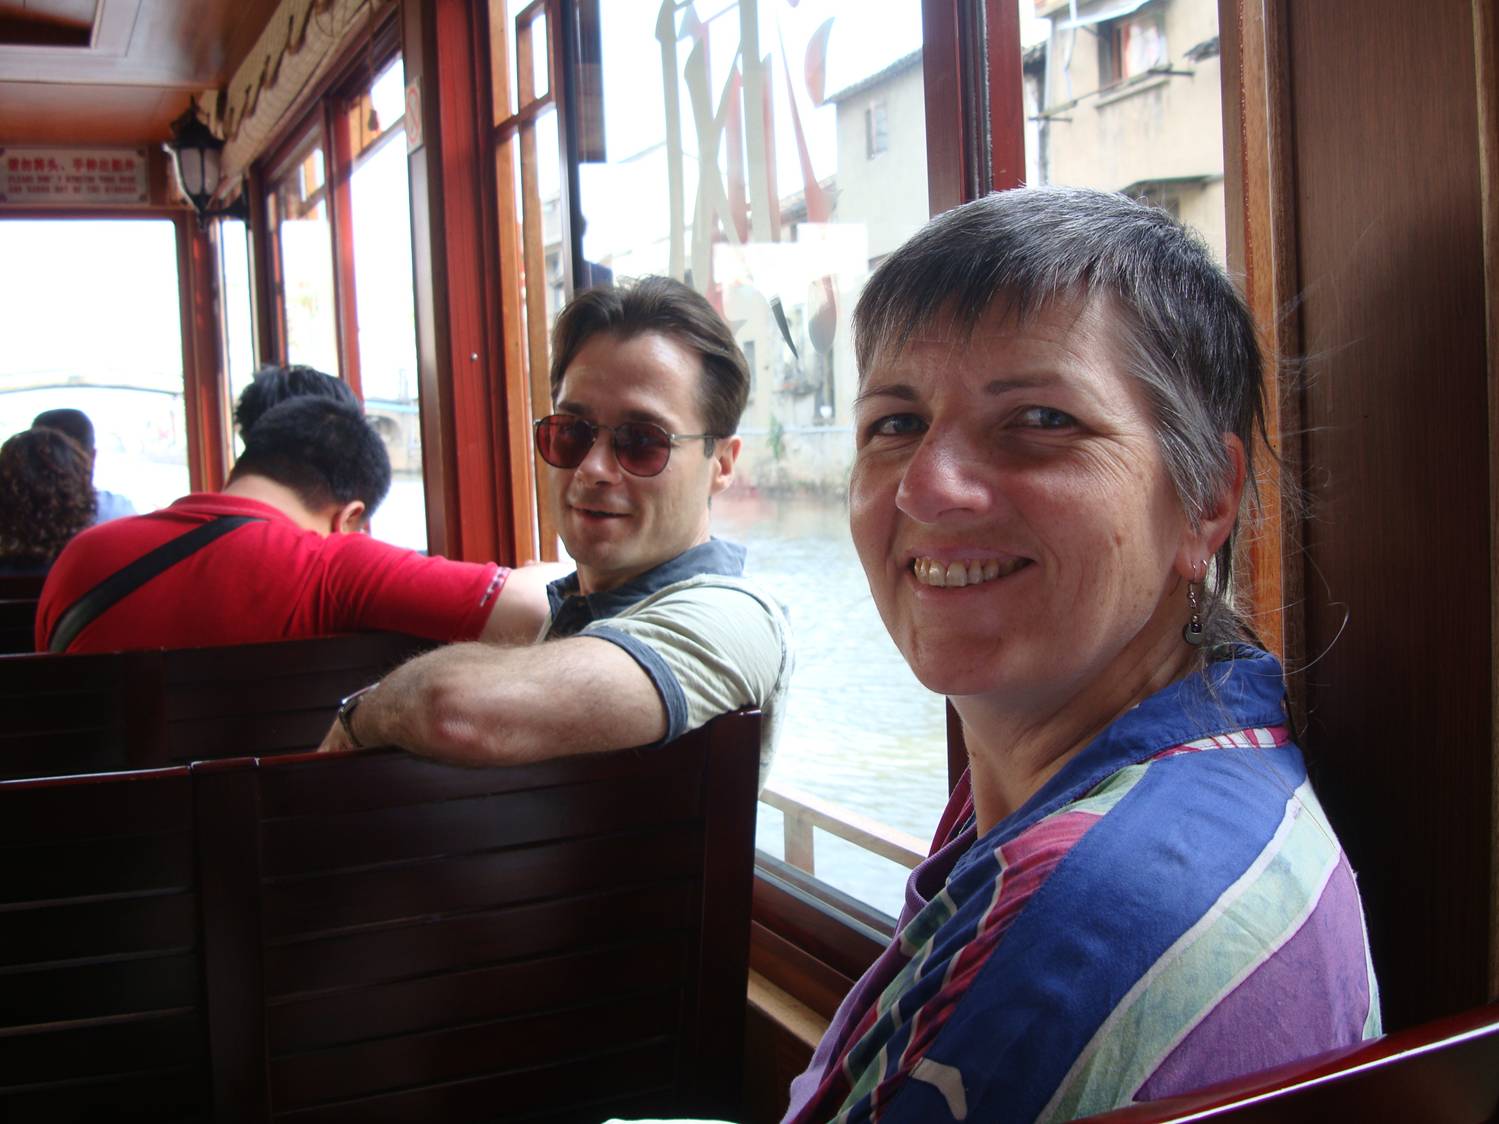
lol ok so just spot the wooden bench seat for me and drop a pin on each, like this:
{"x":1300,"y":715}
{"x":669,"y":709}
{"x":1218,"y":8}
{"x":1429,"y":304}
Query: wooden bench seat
{"x":24,"y":586}
{"x":101,"y":1006}
{"x":69,"y":714}
{"x":17,"y":624}
{"x":381,"y":937}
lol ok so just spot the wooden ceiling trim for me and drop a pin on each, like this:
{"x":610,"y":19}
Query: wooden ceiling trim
{"x":301,"y":41}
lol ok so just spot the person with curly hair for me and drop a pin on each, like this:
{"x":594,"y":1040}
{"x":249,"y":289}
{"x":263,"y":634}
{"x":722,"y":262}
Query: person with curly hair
{"x":46,"y":497}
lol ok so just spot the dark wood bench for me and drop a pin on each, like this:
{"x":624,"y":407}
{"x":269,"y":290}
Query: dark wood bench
{"x":1443,"y":1072}
{"x":384,"y":938}
{"x":70,"y":714}
{"x":26,"y":587}
{"x":101,"y":1005}
{"x":17,"y":625}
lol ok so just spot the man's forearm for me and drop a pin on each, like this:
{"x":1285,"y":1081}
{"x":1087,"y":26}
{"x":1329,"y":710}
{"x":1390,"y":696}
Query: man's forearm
{"x":477,"y":704}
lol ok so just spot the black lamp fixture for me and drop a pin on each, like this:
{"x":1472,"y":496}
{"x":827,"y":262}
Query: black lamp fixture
{"x":196,"y":158}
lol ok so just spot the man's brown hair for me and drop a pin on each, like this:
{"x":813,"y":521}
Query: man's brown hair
{"x":660,"y":304}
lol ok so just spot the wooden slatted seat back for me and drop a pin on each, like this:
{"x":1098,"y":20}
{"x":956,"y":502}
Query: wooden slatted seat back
{"x":69,"y":714}
{"x":562,"y":941}
{"x":262,"y":699}
{"x":101,"y":1011}
{"x":1442,"y":1072}
{"x":27,"y":587}
{"x":17,"y":624}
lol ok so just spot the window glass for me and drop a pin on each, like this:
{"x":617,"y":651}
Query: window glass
{"x":528,"y":169}
{"x":768,"y":154}
{"x":877,"y":130}
{"x":304,"y":256}
{"x":385,"y":310}
{"x":1125,"y":96}
{"x":236,"y":303}
{"x":119,"y":278}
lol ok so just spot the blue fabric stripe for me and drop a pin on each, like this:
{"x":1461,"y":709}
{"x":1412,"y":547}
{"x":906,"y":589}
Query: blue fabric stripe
{"x":1246,"y":691}
{"x":1100,"y":921}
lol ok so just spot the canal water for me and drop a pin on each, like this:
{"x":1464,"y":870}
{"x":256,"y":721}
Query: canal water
{"x":859,"y":731}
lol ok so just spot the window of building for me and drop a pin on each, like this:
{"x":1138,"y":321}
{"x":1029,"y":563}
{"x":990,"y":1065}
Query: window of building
{"x":876,"y":129}
{"x":1132,"y":45}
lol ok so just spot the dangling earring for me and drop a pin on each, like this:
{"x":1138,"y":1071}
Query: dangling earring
{"x":1192,"y":630}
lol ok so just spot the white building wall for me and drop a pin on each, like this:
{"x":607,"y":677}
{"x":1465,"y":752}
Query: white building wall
{"x":886,"y":193}
{"x":1149,"y":128}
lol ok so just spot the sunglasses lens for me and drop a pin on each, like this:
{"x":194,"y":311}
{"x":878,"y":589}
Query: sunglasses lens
{"x":562,"y":441}
{"x":641,"y":448}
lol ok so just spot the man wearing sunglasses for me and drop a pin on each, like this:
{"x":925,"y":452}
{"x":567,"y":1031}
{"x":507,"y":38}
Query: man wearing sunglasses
{"x":657,"y":631}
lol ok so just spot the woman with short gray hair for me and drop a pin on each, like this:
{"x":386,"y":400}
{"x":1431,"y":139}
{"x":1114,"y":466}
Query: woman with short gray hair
{"x":1133,"y":891}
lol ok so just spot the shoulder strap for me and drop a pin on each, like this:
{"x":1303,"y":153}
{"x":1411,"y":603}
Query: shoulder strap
{"x":122,"y":583}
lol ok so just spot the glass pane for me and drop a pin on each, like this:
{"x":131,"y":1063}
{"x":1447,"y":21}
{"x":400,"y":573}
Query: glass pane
{"x":387,"y":331}
{"x":306,"y":257}
{"x":238,"y":309}
{"x":779,"y":159}
{"x":388,"y":95}
{"x":1126,"y":97}
{"x":117,"y":278}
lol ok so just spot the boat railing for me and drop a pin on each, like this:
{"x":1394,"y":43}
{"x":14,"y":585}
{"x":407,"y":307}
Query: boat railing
{"x":802,"y":812}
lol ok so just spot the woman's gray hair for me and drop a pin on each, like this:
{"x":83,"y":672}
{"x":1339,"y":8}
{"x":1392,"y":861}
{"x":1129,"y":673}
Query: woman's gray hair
{"x":1185,"y":331}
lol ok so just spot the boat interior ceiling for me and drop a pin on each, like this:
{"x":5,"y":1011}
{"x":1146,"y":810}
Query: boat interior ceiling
{"x":115,"y":71}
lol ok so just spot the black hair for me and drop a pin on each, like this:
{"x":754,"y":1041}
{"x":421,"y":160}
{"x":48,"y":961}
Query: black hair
{"x":323,"y":450}
{"x":74,"y":423}
{"x":273,"y":385}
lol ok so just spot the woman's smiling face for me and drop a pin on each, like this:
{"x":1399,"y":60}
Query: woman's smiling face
{"x":1015,"y":519}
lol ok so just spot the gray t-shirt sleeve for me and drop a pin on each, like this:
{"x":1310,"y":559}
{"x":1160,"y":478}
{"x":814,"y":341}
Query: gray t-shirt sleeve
{"x":709,"y":649}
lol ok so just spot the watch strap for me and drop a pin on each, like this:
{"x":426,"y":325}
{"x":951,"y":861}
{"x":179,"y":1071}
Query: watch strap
{"x":346,"y":708}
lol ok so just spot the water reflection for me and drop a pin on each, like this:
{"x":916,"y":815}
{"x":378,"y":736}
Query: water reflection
{"x":859,"y":730}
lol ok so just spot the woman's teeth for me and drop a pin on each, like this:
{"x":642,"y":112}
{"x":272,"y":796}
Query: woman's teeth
{"x":953,"y":575}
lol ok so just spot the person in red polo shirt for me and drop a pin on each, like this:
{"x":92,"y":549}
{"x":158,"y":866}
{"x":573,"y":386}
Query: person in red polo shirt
{"x":288,"y":560}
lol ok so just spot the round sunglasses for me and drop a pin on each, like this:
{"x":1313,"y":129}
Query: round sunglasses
{"x":640,"y":448}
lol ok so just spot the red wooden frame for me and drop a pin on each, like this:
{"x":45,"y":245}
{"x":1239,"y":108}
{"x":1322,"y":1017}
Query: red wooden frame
{"x":466,"y":416}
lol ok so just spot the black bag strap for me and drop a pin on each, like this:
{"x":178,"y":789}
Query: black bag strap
{"x":119,"y":585}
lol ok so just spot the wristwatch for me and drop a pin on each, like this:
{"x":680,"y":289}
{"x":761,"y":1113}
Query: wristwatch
{"x":346,"y":708}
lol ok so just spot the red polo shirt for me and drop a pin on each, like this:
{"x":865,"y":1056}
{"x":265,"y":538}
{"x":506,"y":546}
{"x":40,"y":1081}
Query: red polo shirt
{"x":262,"y":581}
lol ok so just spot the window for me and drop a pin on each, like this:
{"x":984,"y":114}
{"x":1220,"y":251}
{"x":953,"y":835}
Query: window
{"x":528,"y":169}
{"x":384,"y":346}
{"x":236,"y":301}
{"x":746,"y":174}
{"x":301,"y":232}
{"x":339,"y":214}
{"x":876,"y":130}
{"x":119,"y":277}
{"x":1131,"y":46}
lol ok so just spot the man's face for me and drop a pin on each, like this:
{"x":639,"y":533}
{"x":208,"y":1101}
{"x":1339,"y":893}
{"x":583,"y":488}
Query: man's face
{"x":615,"y":525}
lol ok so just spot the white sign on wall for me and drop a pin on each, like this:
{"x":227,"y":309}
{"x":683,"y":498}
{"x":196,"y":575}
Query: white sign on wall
{"x":65,"y":176}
